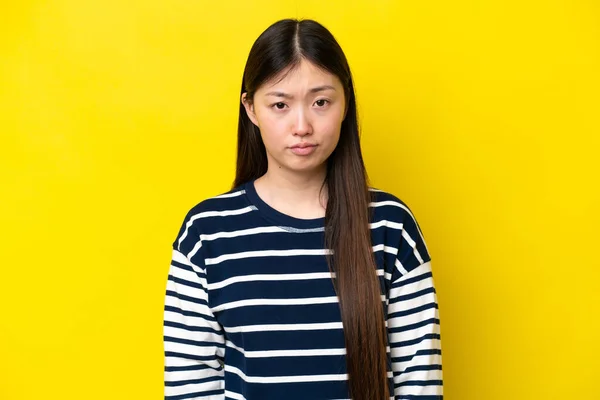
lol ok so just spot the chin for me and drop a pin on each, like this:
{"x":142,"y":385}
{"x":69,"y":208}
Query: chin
{"x":305,"y":167}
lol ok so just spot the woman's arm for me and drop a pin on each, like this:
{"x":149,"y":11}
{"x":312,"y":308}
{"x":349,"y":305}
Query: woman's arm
{"x":193,"y":340}
{"x":414,"y":334}
{"x":413,"y":319}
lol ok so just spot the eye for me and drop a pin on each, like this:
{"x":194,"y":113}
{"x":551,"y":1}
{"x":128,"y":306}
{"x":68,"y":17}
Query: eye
{"x":279,"y":106}
{"x":321,"y":102}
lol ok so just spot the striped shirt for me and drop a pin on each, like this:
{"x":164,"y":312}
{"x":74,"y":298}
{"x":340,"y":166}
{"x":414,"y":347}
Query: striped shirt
{"x":251,"y":311}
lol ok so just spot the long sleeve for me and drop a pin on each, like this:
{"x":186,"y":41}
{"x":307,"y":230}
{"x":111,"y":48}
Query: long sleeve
{"x":413,"y":321}
{"x":193,"y":340}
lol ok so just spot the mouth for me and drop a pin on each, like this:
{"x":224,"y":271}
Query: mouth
{"x":303,"y":145}
{"x":303,"y":149}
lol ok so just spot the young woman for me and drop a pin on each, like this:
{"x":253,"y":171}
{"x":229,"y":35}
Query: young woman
{"x":302,"y":282}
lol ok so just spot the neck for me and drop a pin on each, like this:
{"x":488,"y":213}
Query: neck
{"x":298,"y":195}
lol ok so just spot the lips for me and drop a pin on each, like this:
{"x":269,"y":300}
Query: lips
{"x":303,"y":149}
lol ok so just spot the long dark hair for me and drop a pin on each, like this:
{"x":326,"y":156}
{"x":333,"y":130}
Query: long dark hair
{"x":283,"y":45}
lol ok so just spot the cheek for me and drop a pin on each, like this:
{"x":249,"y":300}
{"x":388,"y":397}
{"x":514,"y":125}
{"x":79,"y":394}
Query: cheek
{"x":272,"y":129}
{"x":330,"y":129}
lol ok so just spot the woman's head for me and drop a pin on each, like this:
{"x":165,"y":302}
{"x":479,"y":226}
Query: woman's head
{"x":297,"y":89}
{"x":301,"y":106}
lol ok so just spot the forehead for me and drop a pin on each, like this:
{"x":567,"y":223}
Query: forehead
{"x":302,"y":76}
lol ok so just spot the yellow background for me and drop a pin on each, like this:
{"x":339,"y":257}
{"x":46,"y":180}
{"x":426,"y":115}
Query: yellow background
{"x":117,"y":116}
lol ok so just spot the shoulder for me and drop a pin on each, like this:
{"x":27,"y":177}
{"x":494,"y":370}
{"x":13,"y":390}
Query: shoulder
{"x":219,"y":203}
{"x":198,"y":218}
{"x":407,"y":239}
{"x":389,"y":206}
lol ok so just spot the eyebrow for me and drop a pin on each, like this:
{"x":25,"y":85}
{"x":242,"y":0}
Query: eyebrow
{"x":313,"y":90}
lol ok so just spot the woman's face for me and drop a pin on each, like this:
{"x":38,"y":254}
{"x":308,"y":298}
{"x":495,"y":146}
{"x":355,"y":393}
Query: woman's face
{"x":299,"y":117}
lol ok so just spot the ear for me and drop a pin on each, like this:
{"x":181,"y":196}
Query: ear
{"x":249,"y":106}
{"x":346,"y":106}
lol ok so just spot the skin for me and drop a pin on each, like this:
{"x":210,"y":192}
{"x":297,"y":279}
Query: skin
{"x":306,"y":106}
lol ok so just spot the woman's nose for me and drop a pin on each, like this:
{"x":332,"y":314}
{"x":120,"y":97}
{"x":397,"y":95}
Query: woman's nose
{"x":302,"y":124}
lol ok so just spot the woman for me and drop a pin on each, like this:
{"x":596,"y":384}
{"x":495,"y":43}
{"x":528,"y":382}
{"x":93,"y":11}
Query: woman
{"x":302,"y":282}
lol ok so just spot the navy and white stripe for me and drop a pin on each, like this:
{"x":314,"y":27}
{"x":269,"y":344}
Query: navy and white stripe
{"x":251,"y":312}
